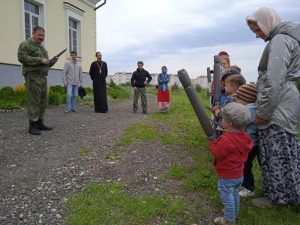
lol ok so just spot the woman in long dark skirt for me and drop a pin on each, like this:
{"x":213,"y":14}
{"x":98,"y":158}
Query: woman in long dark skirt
{"x":278,"y":106}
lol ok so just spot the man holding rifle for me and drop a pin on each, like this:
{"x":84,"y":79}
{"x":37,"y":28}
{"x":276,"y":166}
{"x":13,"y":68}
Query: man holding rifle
{"x":35,"y":66}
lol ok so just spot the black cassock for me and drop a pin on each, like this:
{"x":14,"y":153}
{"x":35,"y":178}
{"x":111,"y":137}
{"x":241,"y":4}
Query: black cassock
{"x":98,"y":73}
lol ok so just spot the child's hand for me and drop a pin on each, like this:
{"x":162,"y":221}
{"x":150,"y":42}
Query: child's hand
{"x":215,"y":109}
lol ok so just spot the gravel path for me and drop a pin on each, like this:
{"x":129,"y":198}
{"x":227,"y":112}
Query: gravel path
{"x":38,"y":172}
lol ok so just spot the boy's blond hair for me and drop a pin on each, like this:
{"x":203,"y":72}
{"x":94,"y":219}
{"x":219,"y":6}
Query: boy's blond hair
{"x":235,"y":80}
{"x":236,"y":68}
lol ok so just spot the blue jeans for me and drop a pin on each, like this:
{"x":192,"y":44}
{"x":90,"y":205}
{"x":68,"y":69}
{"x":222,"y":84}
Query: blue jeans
{"x":72,"y":92}
{"x":229,"y":191}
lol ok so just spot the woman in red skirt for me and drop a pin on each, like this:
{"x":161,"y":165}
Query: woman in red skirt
{"x":163,"y":95}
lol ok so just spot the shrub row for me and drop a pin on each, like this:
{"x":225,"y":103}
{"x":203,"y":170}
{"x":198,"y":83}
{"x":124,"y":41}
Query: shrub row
{"x":11,"y":98}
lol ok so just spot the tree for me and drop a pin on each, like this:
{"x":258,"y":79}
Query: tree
{"x":175,"y":87}
{"x":112,"y":84}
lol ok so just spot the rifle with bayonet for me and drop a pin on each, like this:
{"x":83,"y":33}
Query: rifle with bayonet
{"x":55,"y":58}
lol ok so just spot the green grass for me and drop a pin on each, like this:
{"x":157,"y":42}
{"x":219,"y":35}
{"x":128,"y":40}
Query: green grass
{"x":86,"y":151}
{"x":113,"y":156}
{"x":176,"y":172}
{"x":250,"y":215}
{"x":109,"y":204}
{"x":140,"y":131}
{"x":118,"y":92}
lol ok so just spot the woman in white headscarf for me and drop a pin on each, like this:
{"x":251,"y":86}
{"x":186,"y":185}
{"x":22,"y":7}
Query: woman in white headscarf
{"x":278,"y":105}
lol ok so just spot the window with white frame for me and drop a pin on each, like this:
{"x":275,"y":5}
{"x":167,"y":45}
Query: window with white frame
{"x":73,"y":35}
{"x":74,"y":23}
{"x":31,"y":13}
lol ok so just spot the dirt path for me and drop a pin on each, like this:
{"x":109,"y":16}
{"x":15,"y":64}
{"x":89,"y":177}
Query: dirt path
{"x":38,"y":172}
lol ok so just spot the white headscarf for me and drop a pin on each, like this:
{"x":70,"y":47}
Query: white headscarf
{"x":265,"y":18}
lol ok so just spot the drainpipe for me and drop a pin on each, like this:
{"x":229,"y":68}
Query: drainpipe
{"x":100,"y":5}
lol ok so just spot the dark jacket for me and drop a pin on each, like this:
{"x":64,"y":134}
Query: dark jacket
{"x":139,"y":77}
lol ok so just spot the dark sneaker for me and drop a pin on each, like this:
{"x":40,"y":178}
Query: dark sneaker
{"x":73,"y":110}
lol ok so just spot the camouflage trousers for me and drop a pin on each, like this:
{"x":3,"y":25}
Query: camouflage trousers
{"x":137,"y":93}
{"x":36,"y":85}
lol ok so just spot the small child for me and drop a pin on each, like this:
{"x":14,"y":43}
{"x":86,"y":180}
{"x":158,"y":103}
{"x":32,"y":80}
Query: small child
{"x":236,"y":68}
{"x":223,"y":78}
{"x":230,"y":151}
{"x":246,"y":95}
{"x":232,"y":83}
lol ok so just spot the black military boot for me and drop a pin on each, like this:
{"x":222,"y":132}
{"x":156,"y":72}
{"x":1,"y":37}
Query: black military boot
{"x":42,"y":126}
{"x":33,"y":128}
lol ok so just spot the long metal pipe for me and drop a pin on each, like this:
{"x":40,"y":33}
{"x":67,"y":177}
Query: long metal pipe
{"x":197,"y":106}
{"x":217,"y":80}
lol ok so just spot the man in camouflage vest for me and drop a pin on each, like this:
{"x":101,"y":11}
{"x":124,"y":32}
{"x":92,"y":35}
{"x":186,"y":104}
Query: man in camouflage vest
{"x":35,"y":66}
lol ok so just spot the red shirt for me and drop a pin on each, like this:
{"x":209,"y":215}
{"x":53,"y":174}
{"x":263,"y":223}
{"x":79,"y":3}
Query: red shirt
{"x":230,"y":152}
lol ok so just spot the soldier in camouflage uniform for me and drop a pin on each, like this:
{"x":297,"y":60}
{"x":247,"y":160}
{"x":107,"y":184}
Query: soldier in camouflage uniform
{"x":140,"y":78}
{"x":35,"y":66}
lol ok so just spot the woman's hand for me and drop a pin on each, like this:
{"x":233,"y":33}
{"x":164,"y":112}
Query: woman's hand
{"x":260,"y":121}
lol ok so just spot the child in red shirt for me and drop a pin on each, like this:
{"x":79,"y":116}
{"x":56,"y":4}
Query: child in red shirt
{"x":231,"y":151}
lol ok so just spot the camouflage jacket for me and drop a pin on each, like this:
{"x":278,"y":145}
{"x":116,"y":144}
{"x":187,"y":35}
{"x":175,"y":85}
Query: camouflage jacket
{"x":30,"y":55}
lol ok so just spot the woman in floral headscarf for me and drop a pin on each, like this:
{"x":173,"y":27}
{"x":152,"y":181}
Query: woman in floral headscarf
{"x":278,"y":106}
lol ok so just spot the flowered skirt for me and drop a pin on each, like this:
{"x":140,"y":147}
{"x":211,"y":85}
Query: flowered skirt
{"x":280,"y":165}
{"x":163,"y":99}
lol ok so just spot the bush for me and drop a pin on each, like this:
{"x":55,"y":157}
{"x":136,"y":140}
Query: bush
{"x":127,"y":84}
{"x":8,"y":105}
{"x":58,"y":89}
{"x":117,"y":92}
{"x":112,"y":84}
{"x":175,"y":87}
{"x":55,"y":98}
{"x":198,"y":88}
{"x":7,"y":93}
{"x":21,"y":98}
{"x":21,"y":88}
{"x":89,"y":90}
{"x":11,"y":99}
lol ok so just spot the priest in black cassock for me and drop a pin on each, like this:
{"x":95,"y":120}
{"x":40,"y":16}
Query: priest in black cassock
{"x":98,"y":73}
